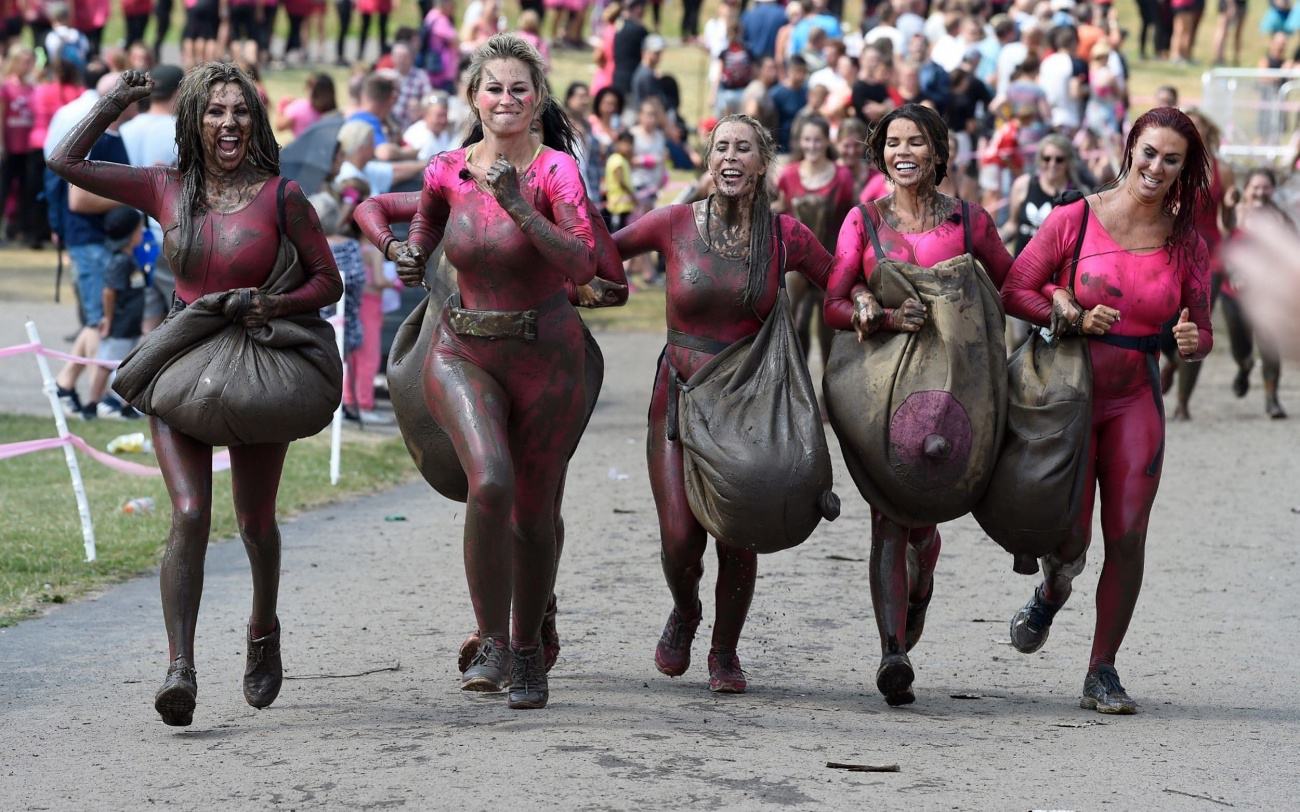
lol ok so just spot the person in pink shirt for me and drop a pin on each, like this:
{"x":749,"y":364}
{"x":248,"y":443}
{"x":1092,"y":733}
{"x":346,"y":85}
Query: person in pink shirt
{"x":1137,"y":263}
{"x":61,"y":86}
{"x":21,"y":166}
{"x":502,"y":206}
{"x":296,"y":115}
{"x":137,"y":14}
{"x":604,"y":53}
{"x":442,"y":50}
{"x":89,"y":17}
{"x":920,"y":225}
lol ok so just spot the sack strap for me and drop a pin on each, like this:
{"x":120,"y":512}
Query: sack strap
{"x":1078,"y":243}
{"x":686,"y":341}
{"x":965,"y":228}
{"x":279,"y":206}
{"x":871,"y":230}
{"x":780,"y":251}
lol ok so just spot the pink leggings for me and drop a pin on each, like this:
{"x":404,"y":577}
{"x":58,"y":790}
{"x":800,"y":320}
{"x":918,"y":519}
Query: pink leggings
{"x":363,"y":362}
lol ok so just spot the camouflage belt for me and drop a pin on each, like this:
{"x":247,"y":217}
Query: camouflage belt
{"x":493,"y":324}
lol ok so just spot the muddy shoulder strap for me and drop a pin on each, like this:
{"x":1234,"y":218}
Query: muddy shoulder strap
{"x":1078,"y":244}
{"x":965,"y":228}
{"x":780,"y":251}
{"x":871,"y":230}
{"x":279,"y":206}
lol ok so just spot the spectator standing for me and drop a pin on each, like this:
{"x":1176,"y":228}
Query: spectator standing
{"x":789,"y":98}
{"x":21,"y":165}
{"x":412,"y":86}
{"x":603,"y":55}
{"x":606,"y":115}
{"x":761,"y":23}
{"x":162,"y":26}
{"x":199,"y":38}
{"x":64,"y":43}
{"x":294,"y":45}
{"x":818,"y":17}
{"x":756,"y":101}
{"x":646,"y":83}
{"x":377,"y":11}
{"x":793,"y":14}
{"x":440,"y":47}
{"x":137,"y":14}
{"x":620,"y":195}
{"x":530,"y":31}
{"x":123,"y":302}
{"x":1060,"y":82}
{"x":629,"y":41}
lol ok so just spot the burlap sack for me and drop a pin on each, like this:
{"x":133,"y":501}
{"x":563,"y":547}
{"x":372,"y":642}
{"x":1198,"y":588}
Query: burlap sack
{"x":426,"y":441}
{"x":758,"y":471}
{"x":1032,"y":503}
{"x":206,"y":375}
{"x":920,"y":415}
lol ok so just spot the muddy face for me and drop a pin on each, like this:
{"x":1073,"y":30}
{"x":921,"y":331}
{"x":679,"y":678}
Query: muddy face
{"x":909,"y":158}
{"x":227,"y":129}
{"x":1157,"y":160}
{"x":506,"y":99}
{"x":735,"y":162}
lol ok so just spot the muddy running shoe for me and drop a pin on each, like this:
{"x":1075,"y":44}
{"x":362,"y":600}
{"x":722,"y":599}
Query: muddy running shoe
{"x":1103,"y":693}
{"x":916,"y":618}
{"x":1029,"y":626}
{"x":467,"y":650}
{"x":1241,"y":382}
{"x":725,"y":674}
{"x":528,"y":688}
{"x":673,"y":654}
{"x":175,"y":700}
{"x":1274,"y":409}
{"x":550,"y":637}
{"x":894,"y":679}
{"x":489,"y":671}
{"x":263,"y":671}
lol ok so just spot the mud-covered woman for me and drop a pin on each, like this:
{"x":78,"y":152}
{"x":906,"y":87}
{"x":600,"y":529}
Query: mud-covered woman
{"x":725,"y":256}
{"x":505,"y":377}
{"x":221,"y":219}
{"x":1140,"y":265}
{"x":917,"y":224}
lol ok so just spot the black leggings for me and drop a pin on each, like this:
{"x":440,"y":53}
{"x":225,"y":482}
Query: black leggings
{"x":294,"y":42}
{"x":344,"y":9}
{"x":691,"y":17}
{"x":1242,"y":342}
{"x":365,"y":33}
{"x":163,"y":16}
{"x":135,"y":28}
{"x":27,"y":170}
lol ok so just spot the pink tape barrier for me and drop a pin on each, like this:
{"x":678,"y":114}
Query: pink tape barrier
{"x":220,"y":461}
{"x":40,"y":349}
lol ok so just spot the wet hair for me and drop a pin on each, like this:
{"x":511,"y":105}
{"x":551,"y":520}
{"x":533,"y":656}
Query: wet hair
{"x":191,"y":101}
{"x":796,"y":151}
{"x":506,"y":46}
{"x":931,"y":126}
{"x":761,"y":218}
{"x":1191,"y":189}
{"x":322,"y":95}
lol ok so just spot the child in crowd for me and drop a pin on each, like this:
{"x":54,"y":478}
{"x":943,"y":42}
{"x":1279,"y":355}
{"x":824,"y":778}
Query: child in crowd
{"x":124,"y":290}
{"x":620,"y":196}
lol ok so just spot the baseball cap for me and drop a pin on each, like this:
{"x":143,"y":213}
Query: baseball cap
{"x":120,"y":223}
{"x":166,"y":80}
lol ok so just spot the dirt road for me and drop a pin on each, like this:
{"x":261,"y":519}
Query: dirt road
{"x":1212,"y":657}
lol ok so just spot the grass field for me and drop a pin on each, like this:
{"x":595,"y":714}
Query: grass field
{"x":41,"y":555}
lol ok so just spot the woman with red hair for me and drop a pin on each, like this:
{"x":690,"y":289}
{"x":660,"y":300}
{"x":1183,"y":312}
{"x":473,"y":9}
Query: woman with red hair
{"x":1140,"y":263}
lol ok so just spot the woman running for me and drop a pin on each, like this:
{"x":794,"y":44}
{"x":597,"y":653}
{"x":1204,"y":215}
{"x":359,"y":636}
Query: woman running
{"x":725,"y":257}
{"x":918,"y":224}
{"x":1140,"y":263}
{"x":505,"y":378}
{"x":219,"y":213}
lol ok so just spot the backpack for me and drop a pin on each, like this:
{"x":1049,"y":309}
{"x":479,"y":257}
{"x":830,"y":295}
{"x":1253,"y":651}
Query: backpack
{"x":54,"y":192}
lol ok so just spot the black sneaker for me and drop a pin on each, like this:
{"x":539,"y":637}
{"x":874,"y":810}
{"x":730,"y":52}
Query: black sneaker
{"x":916,"y":618}
{"x":177,"y":697}
{"x":528,"y":686}
{"x":70,"y":401}
{"x":894,"y":679}
{"x":1103,"y":693}
{"x":489,"y":671}
{"x":1241,"y":382}
{"x":1029,"y":626}
{"x":263,"y":670}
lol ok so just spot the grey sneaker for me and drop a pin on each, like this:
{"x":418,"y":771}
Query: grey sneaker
{"x":1103,"y":693}
{"x":1031,"y":624}
{"x":528,"y":685}
{"x":489,"y":671}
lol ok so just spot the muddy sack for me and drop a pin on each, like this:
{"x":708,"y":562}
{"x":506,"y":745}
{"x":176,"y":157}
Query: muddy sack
{"x":206,"y":375}
{"x":758,"y":470}
{"x":426,"y":441}
{"x":1032,"y":503}
{"x":1033,"y":499}
{"x":920,"y":415}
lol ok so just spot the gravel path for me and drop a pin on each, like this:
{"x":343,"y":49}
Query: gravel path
{"x":1212,"y":657}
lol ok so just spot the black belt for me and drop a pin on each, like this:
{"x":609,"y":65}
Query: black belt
{"x":1148,"y":344}
{"x":686,"y":341}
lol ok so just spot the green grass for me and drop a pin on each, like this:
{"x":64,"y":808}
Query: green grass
{"x":41,"y":555}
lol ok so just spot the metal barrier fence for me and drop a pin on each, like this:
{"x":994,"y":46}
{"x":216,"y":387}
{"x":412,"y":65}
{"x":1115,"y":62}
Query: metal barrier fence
{"x":1258,"y":111}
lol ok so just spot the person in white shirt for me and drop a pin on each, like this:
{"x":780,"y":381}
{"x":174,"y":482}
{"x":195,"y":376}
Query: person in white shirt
{"x":950,"y":47}
{"x":357,"y":143}
{"x":150,"y":137}
{"x":63,"y":38}
{"x":432,"y":134}
{"x":1056,"y":77}
{"x":886,"y":29}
